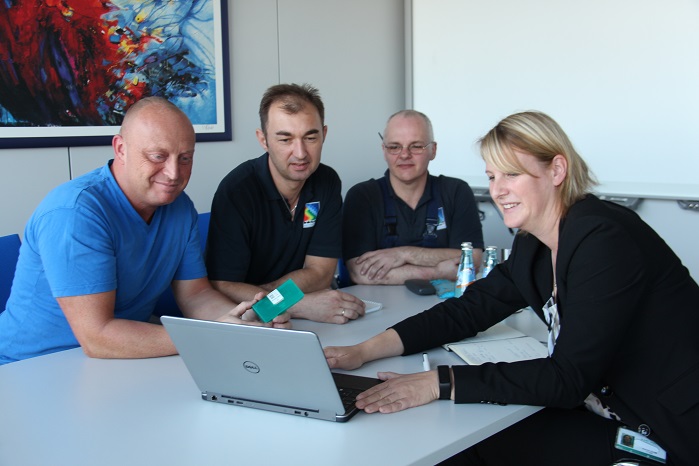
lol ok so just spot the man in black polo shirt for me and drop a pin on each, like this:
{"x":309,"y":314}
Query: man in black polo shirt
{"x":408,"y":224}
{"x":279,"y":216}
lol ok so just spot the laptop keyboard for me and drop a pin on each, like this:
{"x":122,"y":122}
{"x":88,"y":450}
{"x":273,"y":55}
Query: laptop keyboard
{"x":348,"y":397}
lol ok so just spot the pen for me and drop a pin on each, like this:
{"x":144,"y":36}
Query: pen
{"x":425,"y":362}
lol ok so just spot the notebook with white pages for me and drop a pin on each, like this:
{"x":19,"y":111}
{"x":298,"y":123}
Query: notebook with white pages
{"x":500,"y":343}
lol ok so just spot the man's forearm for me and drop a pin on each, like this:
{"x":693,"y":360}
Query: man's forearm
{"x":101,"y":335}
{"x":399,"y":275}
{"x":209,"y":304}
{"x":394,"y":266}
{"x":429,"y":257}
{"x":306,"y":279}
{"x":237,"y":291}
{"x":123,"y":339}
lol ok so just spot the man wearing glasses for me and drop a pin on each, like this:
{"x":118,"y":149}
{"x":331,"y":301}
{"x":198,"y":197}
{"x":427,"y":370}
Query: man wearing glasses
{"x":408,"y":224}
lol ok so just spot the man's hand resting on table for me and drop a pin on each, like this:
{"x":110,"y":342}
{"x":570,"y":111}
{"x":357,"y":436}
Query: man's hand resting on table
{"x":332,"y":306}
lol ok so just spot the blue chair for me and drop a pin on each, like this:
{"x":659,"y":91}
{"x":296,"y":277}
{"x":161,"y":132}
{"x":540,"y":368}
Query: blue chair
{"x":9,"y":252}
{"x":342,"y":279}
{"x":166,"y":304}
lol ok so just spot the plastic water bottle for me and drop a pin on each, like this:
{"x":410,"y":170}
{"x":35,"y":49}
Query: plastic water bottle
{"x":490,"y":260}
{"x":467,"y":272}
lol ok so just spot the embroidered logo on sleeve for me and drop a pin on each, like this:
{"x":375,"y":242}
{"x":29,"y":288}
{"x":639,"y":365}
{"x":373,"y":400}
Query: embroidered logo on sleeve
{"x":310,"y":214}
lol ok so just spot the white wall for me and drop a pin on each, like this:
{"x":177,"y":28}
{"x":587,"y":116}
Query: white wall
{"x":25,"y":178}
{"x":353,"y":52}
{"x":627,"y":89}
{"x":620,"y":76}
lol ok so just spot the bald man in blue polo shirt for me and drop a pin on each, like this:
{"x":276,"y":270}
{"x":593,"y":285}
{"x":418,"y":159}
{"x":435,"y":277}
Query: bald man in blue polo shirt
{"x":100,"y":250}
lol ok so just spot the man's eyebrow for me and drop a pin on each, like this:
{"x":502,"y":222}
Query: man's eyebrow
{"x":391,"y":143}
{"x":287,"y":133}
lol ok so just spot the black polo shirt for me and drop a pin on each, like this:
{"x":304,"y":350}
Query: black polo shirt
{"x":363,"y":217}
{"x":252,"y":238}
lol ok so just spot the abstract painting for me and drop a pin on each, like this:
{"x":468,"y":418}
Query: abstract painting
{"x":69,"y":69}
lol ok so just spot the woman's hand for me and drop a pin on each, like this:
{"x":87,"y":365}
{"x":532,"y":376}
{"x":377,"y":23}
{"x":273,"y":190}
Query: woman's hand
{"x":383,"y":345}
{"x":344,"y":357}
{"x":399,"y":392}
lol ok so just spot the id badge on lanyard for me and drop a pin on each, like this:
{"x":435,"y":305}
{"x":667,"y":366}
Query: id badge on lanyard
{"x":628,"y":440}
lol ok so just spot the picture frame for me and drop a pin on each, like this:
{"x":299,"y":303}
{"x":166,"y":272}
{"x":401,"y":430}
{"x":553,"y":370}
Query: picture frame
{"x":68,"y":72}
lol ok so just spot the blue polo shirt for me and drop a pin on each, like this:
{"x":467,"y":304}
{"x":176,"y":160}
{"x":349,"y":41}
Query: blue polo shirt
{"x":85,"y":238}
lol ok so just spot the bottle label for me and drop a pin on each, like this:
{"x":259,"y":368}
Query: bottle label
{"x":466,"y":276}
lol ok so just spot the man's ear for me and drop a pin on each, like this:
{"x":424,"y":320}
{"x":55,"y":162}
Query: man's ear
{"x":262,"y":139}
{"x":119,"y":148}
{"x":434,"y":150}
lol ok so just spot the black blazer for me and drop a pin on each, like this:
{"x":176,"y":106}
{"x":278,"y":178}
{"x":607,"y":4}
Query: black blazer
{"x":629,"y":314}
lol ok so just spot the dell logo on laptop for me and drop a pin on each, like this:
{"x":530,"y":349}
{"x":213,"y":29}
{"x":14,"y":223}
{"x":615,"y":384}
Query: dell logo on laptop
{"x":251,"y":367}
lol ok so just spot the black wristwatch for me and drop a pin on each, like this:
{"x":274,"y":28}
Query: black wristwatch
{"x":444,"y":382}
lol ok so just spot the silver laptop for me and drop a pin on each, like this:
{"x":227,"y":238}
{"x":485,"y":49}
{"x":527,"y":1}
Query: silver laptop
{"x":258,"y":367}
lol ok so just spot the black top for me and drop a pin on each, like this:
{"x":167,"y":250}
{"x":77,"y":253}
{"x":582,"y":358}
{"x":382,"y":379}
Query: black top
{"x":629,"y":316}
{"x":363,"y":217}
{"x":252,"y":238}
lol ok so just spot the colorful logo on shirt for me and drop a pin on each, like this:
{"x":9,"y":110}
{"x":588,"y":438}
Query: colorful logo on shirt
{"x":442,"y":225}
{"x":310,"y":214}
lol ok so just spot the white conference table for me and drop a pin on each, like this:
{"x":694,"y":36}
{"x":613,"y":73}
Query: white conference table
{"x":67,"y":409}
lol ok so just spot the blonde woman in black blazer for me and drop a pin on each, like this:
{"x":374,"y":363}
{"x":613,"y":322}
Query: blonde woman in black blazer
{"x":622,"y":313}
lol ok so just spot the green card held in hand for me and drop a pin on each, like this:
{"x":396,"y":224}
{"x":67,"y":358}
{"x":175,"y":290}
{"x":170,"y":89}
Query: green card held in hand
{"x":278,"y":301}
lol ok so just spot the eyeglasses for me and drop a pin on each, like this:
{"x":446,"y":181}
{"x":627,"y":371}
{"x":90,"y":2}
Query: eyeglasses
{"x":413,"y":149}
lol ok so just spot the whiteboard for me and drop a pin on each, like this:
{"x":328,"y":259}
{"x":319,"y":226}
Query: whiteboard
{"x":620,"y":76}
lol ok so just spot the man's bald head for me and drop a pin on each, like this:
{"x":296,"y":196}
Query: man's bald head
{"x":153,"y":106}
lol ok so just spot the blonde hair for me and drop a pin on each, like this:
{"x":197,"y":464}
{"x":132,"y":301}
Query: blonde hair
{"x":537,"y":134}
